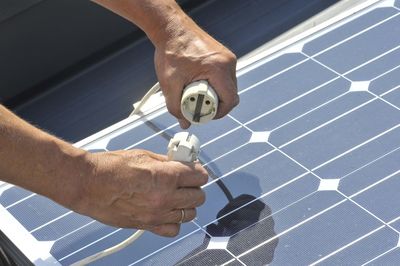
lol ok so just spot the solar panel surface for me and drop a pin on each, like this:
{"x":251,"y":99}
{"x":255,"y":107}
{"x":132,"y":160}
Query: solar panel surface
{"x":305,"y":170}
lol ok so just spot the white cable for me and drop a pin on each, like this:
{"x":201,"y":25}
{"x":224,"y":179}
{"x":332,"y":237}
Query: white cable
{"x":138,"y":233}
{"x":111,"y":250}
{"x":182,"y":147}
{"x":145,"y":98}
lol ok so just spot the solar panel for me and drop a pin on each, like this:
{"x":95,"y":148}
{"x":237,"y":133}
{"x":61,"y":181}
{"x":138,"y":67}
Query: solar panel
{"x":306,"y":170}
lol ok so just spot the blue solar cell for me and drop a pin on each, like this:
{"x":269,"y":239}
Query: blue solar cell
{"x":238,"y":157}
{"x":390,"y":258}
{"x":347,"y":30}
{"x":365,"y":249}
{"x":383,"y":199}
{"x":396,"y":225}
{"x":280,"y":89}
{"x":322,"y":235}
{"x":255,"y":179}
{"x":43,"y":209}
{"x":225,"y":144}
{"x":13,"y":195}
{"x":393,"y":97}
{"x":354,"y":52}
{"x":360,"y":157}
{"x":268,"y":69}
{"x":376,"y":68}
{"x":157,"y":144}
{"x":178,"y":251}
{"x":213,"y":129}
{"x":304,"y":104}
{"x":386,"y":83}
{"x":62,"y":227}
{"x":343,"y":134}
{"x":208,"y":257}
{"x":397,"y":3}
{"x":370,"y":173}
{"x":144,"y":246}
{"x":253,"y":223}
{"x":138,"y":133}
{"x":318,"y":117}
{"x":97,"y":245}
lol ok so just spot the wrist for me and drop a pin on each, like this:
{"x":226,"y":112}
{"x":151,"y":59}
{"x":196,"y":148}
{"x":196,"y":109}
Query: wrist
{"x":70,"y":168}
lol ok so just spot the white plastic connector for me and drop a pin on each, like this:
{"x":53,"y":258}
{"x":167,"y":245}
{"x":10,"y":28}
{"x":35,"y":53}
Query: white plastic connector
{"x":183,"y":147}
{"x":199,"y":102}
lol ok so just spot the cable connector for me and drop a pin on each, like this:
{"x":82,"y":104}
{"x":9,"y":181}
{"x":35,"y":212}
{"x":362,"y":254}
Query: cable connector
{"x":199,"y":102}
{"x":183,"y":147}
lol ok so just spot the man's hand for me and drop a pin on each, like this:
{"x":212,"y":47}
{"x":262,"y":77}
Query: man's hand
{"x":142,"y":190}
{"x":193,"y":55}
{"x":184,"y":52}
{"x":137,"y":189}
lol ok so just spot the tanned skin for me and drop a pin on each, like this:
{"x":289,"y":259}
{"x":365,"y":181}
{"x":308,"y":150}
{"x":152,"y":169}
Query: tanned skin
{"x":136,"y":188}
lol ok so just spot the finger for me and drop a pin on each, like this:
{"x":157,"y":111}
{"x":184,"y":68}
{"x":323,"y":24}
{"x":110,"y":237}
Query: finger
{"x":168,"y":230}
{"x":184,"y":124}
{"x":173,"y":95}
{"x":177,"y":216}
{"x":188,"y":198}
{"x":225,"y":85}
{"x":191,"y":174}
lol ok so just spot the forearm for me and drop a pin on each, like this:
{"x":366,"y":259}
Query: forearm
{"x":161,"y":20}
{"x":37,"y":161}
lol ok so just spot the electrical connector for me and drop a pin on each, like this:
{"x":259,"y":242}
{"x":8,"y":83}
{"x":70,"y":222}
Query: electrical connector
{"x":183,"y":147}
{"x":199,"y":102}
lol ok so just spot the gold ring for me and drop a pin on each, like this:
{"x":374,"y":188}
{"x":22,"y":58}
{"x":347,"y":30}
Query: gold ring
{"x":182,"y":216}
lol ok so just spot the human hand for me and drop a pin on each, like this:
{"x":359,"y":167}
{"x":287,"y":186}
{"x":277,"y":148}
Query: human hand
{"x":189,"y":54}
{"x":143,"y":190}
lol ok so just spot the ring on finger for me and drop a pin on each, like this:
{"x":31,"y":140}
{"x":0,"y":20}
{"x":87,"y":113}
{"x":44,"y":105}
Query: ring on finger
{"x":182,"y":216}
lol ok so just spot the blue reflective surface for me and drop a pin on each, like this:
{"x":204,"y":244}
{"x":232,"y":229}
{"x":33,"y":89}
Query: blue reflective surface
{"x":270,"y":200}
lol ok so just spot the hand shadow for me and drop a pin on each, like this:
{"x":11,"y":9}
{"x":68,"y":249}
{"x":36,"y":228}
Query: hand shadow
{"x":245,"y":220}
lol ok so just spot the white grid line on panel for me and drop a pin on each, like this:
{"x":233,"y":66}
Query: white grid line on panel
{"x":381,"y":255}
{"x":356,"y":147}
{"x":327,"y":123}
{"x":151,"y":136}
{"x":225,"y":154}
{"x":347,"y":245}
{"x":21,"y":200}
{"x":323,"y":51}
{"x":267,"y":194}
{"x":75,"y":230}
{"x":373,"y":94}
{"x":293,"y":227}
{"x":374,"y":184}
{"x":269,"y":216}
{"x":168,"y":245}
{"x":356,"y":35}
{"x":50,"y":222}
{"x":389,"y":91}
{"x":348,"y":198}
{"x":91,"y":244}
{"x":324,"y":84}
{"x":369,"y":163}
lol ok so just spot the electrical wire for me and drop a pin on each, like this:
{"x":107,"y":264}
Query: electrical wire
{"x":138,"y":233}
{"x":145,"y":98}
{"x":110,"y":250}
